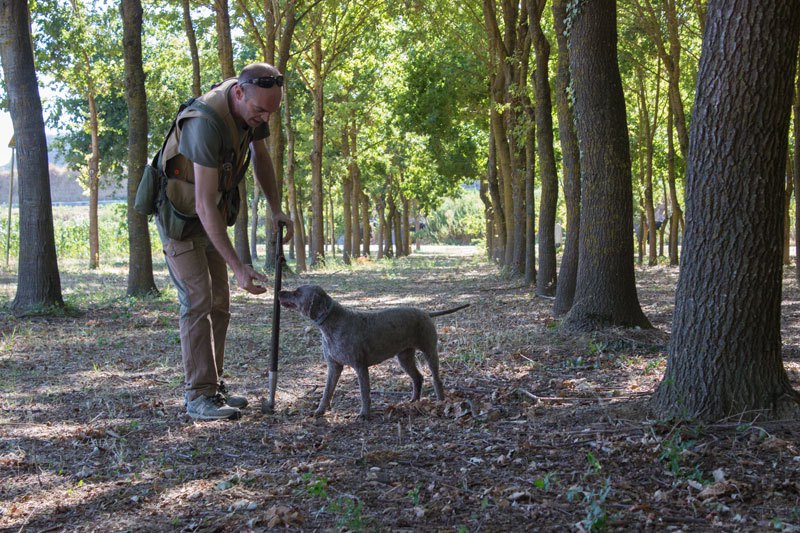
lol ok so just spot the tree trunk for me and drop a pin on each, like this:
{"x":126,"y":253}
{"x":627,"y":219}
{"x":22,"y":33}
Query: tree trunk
{"x":347,"y":199}
{"x":567,"y":275}
{"x":318,"y":235}
{"x":797,"y":177}
{"x":381,"y":206}
{"x":530,"y":198}
{"x":254,"y":222}
{"x":94,"y":178}
{"x":140,"y":256}
{"x":365,"y":240}
{"x":725,"y":351}
{"x":676,"y":214}
{"x":546,"y":277}
{"x":787,"y":202}
{"x":497,"y":251}
{"x":406,"y":226}
{"x":192,"y":39}
{"x":296,"y":212}
{"x":38,"y":281}
{"x":605,"y":293}
{"x":649,"y":132}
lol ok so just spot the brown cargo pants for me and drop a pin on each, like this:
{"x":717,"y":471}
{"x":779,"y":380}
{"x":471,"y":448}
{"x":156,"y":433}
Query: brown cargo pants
{"x":201,"y":277}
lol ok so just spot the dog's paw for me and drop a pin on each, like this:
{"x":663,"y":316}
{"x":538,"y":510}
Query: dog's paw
{"x":363,"y":417}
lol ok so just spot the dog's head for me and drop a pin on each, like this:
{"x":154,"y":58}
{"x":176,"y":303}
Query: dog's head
{"x":310,"y":301}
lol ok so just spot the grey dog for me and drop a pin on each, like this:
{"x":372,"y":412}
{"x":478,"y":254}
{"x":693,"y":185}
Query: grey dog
{"x":362,"y":339}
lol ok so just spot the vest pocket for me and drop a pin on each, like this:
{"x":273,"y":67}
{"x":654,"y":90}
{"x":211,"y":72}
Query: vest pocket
{"x":147,"y":192}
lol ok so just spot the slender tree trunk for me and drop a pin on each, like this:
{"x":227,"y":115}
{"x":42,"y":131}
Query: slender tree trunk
{"x":318,"y":241}
{"x":676,"y":214}
{"x":605,"y":294}
{"x":254,"y":222}
{"x":406,"y":226}
{"x":381,"y":206}
{"x":347,"y":199}
{"x":787,"y":203}
{"x":530,"y":199}
{"x":565,"y":289}
{"x":365,"y":223}
{"x":140,"y":256}
{"x":649,"y":132}
{"x":94,"y":180}
{"x":796,"y":113}
{"x":192,"y":39}
{"x":497,"y":251}
{"x":725,"y":350}
{"x":296,"y":212}
{"x":38,"y":279}
{"x":546,"y":277}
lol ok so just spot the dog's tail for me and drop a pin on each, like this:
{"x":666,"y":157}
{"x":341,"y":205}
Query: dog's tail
{"x":447,"y":311}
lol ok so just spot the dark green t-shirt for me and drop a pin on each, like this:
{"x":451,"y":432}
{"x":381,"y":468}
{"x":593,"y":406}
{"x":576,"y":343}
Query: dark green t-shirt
{"x":201,"y":144}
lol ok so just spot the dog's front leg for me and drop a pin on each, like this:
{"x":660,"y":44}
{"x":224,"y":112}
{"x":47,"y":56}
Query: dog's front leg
{"x":363,"y":383}
{"x":334,"y":371}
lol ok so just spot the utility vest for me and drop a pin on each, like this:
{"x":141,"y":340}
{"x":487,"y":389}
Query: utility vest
{"x":169,"y":191}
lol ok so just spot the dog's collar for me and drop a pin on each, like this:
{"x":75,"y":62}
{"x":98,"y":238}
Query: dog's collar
{"x":324,"y":316}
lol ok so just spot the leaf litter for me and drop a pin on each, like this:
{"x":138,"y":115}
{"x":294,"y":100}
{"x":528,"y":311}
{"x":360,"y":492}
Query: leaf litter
{"x":539,"y":430}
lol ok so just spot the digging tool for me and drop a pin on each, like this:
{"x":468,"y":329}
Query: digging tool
{"x":268,"y":404}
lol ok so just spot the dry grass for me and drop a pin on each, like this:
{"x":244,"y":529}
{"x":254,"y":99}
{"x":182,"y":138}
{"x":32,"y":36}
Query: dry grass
{"x":539,"y":431}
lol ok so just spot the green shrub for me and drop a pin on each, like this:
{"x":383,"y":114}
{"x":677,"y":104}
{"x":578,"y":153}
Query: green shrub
{"x":458,"y":220}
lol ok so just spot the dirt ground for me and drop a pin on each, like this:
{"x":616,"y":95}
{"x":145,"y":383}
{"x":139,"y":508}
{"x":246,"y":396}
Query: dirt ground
{"x":539,"y":431}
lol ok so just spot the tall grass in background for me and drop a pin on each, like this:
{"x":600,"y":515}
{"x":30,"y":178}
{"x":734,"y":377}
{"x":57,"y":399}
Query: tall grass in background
{"x":458,"y":221}
{"x":71,"y":231}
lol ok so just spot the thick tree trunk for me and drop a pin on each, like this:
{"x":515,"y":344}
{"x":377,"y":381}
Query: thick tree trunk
{"x":605,"y":293}
{"x":140,"y":256}
{"x":38,"y":279}
{"x":570,"y":162}
{"x":725,"y":351}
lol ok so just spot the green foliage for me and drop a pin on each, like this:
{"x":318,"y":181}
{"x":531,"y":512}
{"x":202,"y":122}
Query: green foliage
{"x":458,"y":221}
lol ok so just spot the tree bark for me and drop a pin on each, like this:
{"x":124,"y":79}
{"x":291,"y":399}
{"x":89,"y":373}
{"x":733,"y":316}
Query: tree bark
{"x":347,"y":198}
{"x":676,"y":214}
{"x":192,"y":39}
{"x":296,"y":212}
{"x":570,"y":162}
{"x":546,"y":277}
{"x":725,"y":351}
{"x":140,"y":256}
{"x":796,"y":143}
{"x":318,"y":236}
{"x":605,"y":293}
{"x":38,"y":279}
{"x":94,"y":173}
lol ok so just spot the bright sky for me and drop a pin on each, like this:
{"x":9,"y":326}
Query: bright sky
{"x":5,"y":137}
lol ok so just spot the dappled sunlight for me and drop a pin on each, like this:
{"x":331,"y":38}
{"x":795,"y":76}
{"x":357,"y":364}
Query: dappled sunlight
{"x":94,"y":430}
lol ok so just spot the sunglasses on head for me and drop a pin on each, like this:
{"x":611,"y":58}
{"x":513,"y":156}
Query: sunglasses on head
{"x":265,"y":81}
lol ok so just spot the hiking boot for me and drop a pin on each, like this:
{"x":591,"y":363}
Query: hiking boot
{"x":211,"y":408}
{"x":240,"y":402}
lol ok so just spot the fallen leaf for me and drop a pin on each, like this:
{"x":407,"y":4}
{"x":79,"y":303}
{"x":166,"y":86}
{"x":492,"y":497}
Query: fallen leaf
{"x":281,"y":515}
